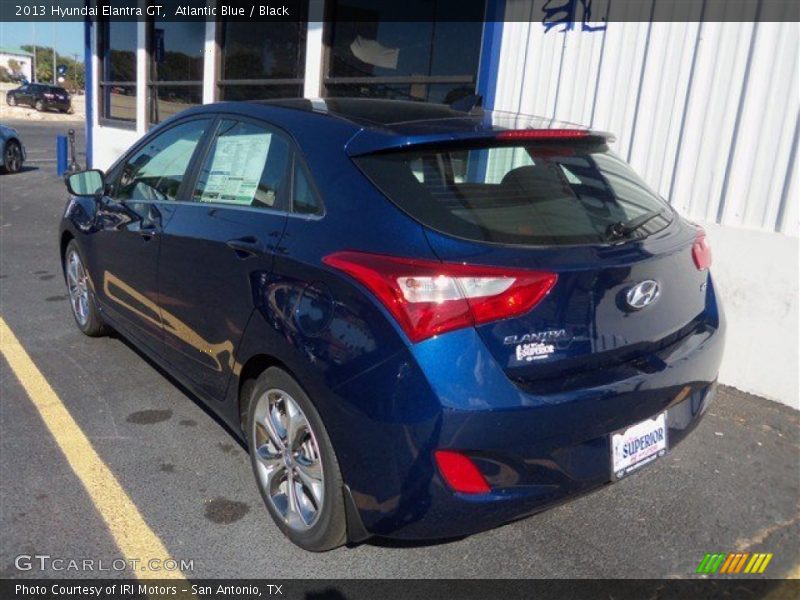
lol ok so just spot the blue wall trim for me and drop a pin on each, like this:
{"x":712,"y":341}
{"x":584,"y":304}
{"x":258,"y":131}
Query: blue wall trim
{"x":88,"y":93}
{"x":490,"y":51}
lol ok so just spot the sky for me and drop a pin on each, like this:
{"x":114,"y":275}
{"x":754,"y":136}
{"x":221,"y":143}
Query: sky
{"x":68,"y":35}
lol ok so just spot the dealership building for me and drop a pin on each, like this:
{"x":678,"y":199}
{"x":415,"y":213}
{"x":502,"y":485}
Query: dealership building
{"x":706,"y":112}
{"x":17,"y":62}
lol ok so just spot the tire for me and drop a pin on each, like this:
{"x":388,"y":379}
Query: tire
{"x":12,"y":157}
{"x":81,"y":295}
{"x":12,"y":101}
{"x":39,"y":106}
{"x":311,"y":524}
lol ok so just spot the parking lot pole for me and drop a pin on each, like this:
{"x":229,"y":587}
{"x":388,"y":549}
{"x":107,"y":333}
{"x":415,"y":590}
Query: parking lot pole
{"x":61,"y":154}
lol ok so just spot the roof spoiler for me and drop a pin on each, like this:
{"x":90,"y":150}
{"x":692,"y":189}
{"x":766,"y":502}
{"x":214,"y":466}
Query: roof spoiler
{"x":369,"y":142}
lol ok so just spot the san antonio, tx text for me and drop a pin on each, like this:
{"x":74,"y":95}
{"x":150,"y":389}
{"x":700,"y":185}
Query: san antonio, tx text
{"x":236,"y":591}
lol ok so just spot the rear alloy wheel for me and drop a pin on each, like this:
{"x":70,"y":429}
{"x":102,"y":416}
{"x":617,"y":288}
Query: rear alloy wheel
{"x":81,"y":296}
{"x":39,"y":106}
{"x":294,"y":463}
{"x":12,"y":101}
{"x":12,"y":159}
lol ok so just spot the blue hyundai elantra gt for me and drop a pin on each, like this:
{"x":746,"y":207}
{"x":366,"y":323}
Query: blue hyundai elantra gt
{"x":424,"y":322}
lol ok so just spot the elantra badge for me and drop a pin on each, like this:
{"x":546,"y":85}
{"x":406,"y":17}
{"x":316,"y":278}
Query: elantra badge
{"x":642,"y":294}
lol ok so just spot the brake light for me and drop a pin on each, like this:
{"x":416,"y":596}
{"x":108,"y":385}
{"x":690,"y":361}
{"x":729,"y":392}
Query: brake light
{"x":701,"y":251}
{"x":48,"y":95}
{"x":460,"y":473}
{"x":429,"y":297}
{"x":541,"y":134}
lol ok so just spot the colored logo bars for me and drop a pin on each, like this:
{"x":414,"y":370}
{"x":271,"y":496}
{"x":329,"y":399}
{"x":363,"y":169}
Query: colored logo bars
{"x":740,"y":562}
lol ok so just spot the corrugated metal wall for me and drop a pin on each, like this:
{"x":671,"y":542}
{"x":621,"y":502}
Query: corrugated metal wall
{"x":706,"y":112}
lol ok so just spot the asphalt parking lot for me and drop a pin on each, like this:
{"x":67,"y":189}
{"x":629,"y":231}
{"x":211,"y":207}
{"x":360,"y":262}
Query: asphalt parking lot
{"x":733,"y":486}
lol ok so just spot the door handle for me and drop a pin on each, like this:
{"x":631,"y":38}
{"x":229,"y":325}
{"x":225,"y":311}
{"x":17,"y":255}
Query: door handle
{"x":246,"y":247}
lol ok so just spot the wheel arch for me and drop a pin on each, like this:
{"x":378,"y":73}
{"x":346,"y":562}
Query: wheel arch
{"x":255,"y":365}
{"x":251,"y":369}
{"x":66,"y":238}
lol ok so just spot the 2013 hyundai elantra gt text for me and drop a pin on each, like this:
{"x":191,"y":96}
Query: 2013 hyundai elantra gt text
{"x":424,"y":322}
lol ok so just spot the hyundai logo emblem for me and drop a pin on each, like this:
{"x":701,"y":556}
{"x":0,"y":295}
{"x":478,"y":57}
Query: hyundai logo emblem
{"x":642,"y":294}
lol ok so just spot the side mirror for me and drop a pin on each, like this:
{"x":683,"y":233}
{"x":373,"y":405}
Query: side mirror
{"x":86,"y":183}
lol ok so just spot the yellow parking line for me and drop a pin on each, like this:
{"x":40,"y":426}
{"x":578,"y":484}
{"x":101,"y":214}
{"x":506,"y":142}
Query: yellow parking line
{"x":125,"y":524}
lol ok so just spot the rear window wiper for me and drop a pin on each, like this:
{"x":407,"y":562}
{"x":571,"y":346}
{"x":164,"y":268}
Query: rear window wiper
{"x":622,"y":229}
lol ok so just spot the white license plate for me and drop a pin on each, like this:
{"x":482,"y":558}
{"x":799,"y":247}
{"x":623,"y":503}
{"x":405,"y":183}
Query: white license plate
{"x":638,"y":445}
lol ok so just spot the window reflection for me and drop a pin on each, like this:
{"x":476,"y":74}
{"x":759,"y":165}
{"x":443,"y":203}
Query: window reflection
{"x":426,"y":60}
{"x":262,"y":60}
{"x":176,"y":67}
{"x":117,"y":85}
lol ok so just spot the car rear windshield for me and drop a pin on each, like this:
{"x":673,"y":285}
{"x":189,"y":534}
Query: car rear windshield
{"x":530,"y":194}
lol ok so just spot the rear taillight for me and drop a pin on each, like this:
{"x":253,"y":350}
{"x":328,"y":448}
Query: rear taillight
{"x":429,"y":297}
{"x":460,"y":473}
{"x":48,"y":96}
{"x":701,"y":251}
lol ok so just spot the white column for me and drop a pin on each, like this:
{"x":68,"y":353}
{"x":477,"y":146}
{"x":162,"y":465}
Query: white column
{"x":210,"y":64}
{"x":313,"y":78}
{"x":95,"y":67}
{"x":141,"y":78}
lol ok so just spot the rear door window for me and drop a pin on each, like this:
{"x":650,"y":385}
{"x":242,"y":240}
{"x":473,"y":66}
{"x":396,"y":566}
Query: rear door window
{"x":247,"y":165}
{"x":534,"y":194}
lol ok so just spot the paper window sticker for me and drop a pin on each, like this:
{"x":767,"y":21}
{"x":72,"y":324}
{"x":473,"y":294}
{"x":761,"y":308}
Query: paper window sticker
{"x":236,"y":168}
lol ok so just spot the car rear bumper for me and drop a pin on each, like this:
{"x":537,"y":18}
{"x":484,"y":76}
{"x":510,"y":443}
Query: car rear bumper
{"x":541,"y":474}
{"x":534,"y":450}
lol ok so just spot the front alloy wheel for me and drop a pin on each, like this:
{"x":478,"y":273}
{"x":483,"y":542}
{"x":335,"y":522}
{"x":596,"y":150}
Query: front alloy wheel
{"x":81,"y":295}
{"x":12,"y":161}
{"x":78,"y":285}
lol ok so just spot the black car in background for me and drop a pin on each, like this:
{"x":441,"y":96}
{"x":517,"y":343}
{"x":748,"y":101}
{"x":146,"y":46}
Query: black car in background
{"x":41,"y":97}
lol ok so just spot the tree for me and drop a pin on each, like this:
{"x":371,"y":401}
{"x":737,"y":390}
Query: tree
{"x":14,"y":65}
{"x":74,"y":78}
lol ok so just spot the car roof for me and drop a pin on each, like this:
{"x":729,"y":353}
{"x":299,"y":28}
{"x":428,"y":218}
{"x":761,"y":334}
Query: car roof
{"x":370,"y":111}
{"x":379,"y":124}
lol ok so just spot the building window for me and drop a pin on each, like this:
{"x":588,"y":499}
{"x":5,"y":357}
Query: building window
{"x":176,"y":66}
{"x":117,"y":85}
{"x":426,"y":61}
{"x":261,"y":60}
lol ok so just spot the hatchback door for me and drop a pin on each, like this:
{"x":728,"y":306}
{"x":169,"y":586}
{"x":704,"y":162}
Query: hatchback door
{"x":630,"y":274}
{"x":61,"y":95}
{"x":217,"y":251}
{"x":140,"y":201}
